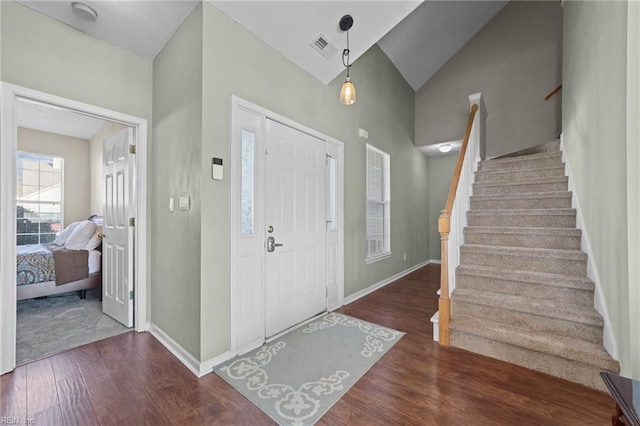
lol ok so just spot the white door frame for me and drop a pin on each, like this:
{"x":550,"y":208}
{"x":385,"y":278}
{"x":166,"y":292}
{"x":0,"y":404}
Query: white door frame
{"x":336,"y":148}
{"x":9,"y":95}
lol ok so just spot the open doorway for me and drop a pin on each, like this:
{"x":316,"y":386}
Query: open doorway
{"x":63,"y":193}
{"x":61,"y":253}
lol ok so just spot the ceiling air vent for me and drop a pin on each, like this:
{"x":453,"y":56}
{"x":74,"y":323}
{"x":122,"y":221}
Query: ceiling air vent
{"x":323,"y":46}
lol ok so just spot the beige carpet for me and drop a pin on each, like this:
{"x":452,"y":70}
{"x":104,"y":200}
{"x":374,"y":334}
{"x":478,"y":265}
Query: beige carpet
{"x":522,"y":293}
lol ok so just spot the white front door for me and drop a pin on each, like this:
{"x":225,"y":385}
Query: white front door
{"x":295,"y":197}
{"x":117,"y":243}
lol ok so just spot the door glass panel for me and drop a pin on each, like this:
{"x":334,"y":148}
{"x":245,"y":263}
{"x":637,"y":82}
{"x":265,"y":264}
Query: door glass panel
{"x":247,"y":182}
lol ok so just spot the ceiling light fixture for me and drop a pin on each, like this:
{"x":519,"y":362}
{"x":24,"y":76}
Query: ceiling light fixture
{"x":445,"y":148}
{"x":84,"y":10}
{"x":348,"y":90}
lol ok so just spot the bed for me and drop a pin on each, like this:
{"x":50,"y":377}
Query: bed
{"x":81,"y":267}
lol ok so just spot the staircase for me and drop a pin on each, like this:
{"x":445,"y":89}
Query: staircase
{"x":522,"y":294}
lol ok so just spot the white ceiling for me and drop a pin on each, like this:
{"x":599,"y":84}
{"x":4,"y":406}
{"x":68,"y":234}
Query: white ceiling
{"x":433,"y":33}
{"x":291,"y":26}
{"x":142,"y":27}
{"x":37,"y":116}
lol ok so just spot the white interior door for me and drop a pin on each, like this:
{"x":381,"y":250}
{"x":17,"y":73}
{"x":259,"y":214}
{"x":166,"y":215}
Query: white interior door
{"x":117,"y":243}
{"x":295,"y":264}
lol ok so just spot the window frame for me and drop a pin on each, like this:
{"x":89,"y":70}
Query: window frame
{"x":59,"y":203}
{"x":386,"y":203}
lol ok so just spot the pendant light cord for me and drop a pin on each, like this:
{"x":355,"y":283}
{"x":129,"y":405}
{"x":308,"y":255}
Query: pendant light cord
{"x":345,"y":54}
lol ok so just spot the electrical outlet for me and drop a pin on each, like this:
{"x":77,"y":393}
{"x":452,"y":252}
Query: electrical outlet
{"x":172,"y":205}
{"x":405,"y":257}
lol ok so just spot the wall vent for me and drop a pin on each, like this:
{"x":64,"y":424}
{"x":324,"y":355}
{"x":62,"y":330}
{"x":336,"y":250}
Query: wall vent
{"x":323,"y":46}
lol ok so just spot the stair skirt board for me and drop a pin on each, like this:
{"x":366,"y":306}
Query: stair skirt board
{"x":522,"y":292}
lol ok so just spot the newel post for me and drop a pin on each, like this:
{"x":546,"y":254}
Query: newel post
{"x":444,"y":303}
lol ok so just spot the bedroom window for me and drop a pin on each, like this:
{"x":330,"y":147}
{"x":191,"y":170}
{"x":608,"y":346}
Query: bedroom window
{"x":378,"y":205}
{"x":39,"y":198}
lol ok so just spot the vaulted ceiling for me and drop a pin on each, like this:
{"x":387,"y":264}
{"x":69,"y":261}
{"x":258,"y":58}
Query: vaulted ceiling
{"x":419,"y":37}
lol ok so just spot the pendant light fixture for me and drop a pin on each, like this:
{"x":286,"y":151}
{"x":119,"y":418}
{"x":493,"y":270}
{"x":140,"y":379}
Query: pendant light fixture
{"x":348,"y":90}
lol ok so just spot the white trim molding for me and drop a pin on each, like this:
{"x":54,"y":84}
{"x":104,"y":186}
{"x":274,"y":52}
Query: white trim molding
{"x":254,"y":327}
{"x":373,"y":287}
{"x":609,"y":339}
{"x":9,"y":95}
{"x":198,"y":368}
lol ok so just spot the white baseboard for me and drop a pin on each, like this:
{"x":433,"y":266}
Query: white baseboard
{"x":435,"y":319}
{"x":359,"y":294}
{"x":434,"y":261}
{"x":609,"y":339}
{"x":198,"y":368}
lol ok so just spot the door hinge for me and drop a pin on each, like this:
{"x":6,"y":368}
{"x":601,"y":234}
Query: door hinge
{"x":132,"y":149}
{"x":131,"y":295}
{"x":132,"y":221}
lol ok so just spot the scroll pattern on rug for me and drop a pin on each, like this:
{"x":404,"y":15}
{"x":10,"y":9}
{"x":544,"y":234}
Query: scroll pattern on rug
{"x":292,"y":404}
{"x":375,"y":335}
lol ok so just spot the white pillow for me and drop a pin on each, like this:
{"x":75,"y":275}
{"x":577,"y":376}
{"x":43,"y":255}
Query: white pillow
{"x":95,"y":239}
{"x":81,"y":235}
{"x":62,"y":237}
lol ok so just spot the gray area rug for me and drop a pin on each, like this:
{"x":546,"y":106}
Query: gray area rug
{"x":298,"y":377}
{"x":48,"y":326}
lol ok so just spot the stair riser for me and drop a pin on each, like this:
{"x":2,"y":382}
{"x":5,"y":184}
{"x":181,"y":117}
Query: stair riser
{"x":519,"y":165}
{"x":573,"y":371}
{"x":542,"y":203}
{"x":519,"y":189}
{"x":528,"y":321}
{"x":530,"y":221}
{"x":494,"y":176}
{"x":528,"y":241}
{"x":525,"y":263}
{"x":525,"y":289}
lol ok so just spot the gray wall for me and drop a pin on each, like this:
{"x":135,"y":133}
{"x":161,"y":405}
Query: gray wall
{"x":515,"y":60}
{"x":440,"y":175}
{"x":177,"y":138}
{"x":46,"y":55}
{"x":41,"y":53}
{"x":236,"y":62}
{"x":76,"y":168}
{"x":595,"y":135}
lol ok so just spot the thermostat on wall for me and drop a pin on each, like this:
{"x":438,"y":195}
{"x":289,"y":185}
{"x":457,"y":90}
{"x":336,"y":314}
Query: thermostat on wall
{"x":216,"y":168}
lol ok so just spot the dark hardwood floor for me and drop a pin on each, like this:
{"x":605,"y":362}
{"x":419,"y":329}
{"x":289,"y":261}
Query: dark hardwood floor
{"x":132,"y":379}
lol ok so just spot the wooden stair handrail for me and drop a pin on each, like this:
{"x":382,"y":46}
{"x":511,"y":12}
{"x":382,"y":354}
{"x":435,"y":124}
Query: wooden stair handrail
{"x":444,"y":227}
{"x":553,"y":92}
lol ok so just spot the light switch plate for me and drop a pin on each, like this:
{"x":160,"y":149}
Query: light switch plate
{"x":185,"y":203}
{"x":172,"y":205}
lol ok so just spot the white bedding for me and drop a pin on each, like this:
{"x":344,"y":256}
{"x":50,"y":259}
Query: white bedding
{"x":94,"y":261}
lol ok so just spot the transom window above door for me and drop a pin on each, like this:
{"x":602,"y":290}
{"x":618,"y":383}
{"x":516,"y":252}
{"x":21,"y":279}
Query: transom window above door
{"x":39,"y":182}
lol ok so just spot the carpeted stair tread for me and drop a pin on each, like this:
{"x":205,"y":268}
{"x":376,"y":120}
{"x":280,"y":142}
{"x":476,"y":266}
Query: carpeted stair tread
{"x":522,"y":230}
{"x":500,"y":175}
{"x":522,"y":212}
{"x":543,"y":278}
{"x":524,"y":158}
{"x":551,"y":146}
{"x":576,"y":255}
{"x":522,"y":200}
{"x":532,"y":218}
{"x":543,"y":307}
{"x":561,"y":346}
{"x":519,"y":182}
